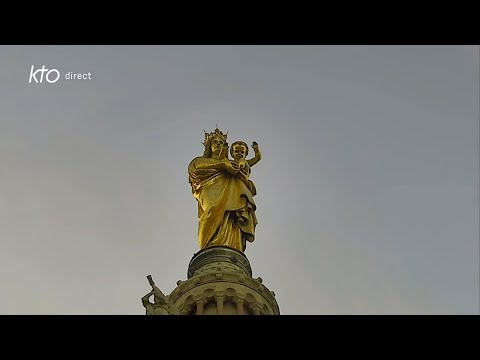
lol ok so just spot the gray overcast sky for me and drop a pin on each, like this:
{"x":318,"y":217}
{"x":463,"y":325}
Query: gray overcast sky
{"x":368,"y":191}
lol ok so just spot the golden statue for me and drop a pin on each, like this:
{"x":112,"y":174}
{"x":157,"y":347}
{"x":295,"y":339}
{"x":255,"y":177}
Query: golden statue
{"x":224,"y":192}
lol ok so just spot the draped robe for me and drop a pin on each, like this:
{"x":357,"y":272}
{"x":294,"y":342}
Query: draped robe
{"x":226,"y":208}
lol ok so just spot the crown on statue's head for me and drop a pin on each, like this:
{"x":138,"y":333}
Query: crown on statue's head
{"x":216,"y":132}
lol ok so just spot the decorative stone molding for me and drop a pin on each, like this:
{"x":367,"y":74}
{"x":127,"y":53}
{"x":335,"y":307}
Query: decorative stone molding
{"x":219,"y":258}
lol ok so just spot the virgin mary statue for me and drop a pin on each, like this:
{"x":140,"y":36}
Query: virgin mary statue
{"x":226,"y":209}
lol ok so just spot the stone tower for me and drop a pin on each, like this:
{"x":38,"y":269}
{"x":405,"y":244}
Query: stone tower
{"x":219,"y":282}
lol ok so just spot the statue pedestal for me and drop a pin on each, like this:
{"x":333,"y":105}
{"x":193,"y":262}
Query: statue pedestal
{"x":220,"y":283}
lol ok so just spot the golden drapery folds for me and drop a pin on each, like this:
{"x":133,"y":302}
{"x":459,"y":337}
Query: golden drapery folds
{"x":226,"y":208}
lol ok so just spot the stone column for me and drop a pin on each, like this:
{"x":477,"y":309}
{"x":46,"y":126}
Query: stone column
{"x":239,"y":303}
{"x":219,"y":300}
{"x":200,"y":304}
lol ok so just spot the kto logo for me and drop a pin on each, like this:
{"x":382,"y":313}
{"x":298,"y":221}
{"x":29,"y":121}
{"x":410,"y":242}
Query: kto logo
{"x":51,"y":76}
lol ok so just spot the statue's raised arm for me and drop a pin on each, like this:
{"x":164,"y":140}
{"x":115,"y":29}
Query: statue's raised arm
{"x":258,"y":155}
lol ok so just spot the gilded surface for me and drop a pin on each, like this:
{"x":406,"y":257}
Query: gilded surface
{"x":224,"y":192}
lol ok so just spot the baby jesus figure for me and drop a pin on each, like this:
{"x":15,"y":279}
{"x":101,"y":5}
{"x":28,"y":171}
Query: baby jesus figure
{"x":239,"y":152}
